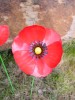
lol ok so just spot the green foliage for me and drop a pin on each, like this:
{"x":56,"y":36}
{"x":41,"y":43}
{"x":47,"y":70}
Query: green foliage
{"x":69,"y":48}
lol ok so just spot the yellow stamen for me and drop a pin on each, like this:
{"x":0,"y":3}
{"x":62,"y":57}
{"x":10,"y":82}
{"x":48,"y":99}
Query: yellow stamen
{"x":38,"y":50}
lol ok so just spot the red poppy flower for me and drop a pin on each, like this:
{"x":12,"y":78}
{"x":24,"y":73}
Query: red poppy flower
{"x":37,"y":50}
{"x":4,"y":34}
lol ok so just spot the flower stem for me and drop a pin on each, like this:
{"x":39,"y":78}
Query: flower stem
{"x":32,"y":84}
{"x":5,"y":69}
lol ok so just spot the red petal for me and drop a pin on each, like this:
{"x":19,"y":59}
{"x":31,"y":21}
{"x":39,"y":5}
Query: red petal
{"x":18,"y":45}
{"x":4,"y":34}
{"x":33,"y":33}
{"x":24,"y":61}
{"x":54,"y":54}
{"x":41,"y":69}
{"x":51,"y":36}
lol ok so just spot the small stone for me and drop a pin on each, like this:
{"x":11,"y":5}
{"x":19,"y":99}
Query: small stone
{"x":17,"y":95}
{"x":40,"y":92}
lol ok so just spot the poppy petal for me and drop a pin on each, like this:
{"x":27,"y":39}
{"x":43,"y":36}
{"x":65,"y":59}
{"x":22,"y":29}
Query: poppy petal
{"x":54,"y":54}
{"x":24,"y":61}
{"x":51,"y":36}
{"x":4,"y":34}
{"x":41,"y":69}
{"x":33,"y":33}
{"x":19,"y":45}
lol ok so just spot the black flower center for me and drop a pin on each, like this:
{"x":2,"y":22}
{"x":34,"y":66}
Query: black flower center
{"x":38,"y":49}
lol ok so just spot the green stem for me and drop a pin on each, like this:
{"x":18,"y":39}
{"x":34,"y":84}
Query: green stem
{"x":5,"y":69}
{"x":32,"y":84}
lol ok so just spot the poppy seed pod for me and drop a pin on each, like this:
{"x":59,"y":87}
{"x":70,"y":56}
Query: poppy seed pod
{"x":37,"y":50}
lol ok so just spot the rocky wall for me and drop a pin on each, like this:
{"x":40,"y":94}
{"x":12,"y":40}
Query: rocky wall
{"x":56,"y":14}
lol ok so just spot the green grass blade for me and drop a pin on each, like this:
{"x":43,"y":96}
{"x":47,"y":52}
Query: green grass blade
{"x":32,"y":85}
{"x":5,"y":69}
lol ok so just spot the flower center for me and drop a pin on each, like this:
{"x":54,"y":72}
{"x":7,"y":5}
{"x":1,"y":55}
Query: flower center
{"x":38,"y":50}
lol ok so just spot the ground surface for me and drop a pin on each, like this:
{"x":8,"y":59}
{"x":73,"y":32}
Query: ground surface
{"x":60,"y":85}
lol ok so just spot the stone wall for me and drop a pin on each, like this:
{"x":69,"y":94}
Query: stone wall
{"x":56,"y":14}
